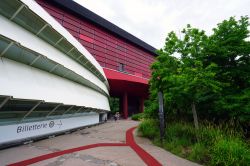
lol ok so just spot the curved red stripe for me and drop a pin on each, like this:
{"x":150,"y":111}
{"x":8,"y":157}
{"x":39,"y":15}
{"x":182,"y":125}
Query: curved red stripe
{"x":146,"y":157}
{"x":56,"y":154}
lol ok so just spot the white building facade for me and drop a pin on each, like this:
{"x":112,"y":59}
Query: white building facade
{"x":49,"y":82}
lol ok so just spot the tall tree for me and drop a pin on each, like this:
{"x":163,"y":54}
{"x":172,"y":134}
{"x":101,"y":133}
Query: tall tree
{"x":211,"y":77}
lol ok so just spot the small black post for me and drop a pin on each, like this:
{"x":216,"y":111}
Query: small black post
{"x":161,"y":116}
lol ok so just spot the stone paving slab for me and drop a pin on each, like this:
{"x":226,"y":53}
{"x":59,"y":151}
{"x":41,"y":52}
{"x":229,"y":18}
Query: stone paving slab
{"x":111,"y":132}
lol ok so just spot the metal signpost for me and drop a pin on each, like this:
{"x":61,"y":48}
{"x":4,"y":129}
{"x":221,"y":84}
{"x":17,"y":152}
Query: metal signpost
{"x":161,"y":115}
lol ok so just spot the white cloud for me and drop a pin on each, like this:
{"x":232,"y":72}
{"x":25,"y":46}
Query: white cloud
{"x":152,"y":20}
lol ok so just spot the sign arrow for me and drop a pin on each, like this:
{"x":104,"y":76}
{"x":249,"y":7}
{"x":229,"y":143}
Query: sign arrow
{"x":60,"y":124}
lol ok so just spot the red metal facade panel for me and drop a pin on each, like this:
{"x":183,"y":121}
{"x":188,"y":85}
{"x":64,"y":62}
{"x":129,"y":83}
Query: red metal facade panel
{"x":108,"y":49}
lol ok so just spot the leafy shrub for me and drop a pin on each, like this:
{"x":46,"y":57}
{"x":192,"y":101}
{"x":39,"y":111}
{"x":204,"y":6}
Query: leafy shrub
{"x":179,"y":137}
{"x":137,"y":117}
{"x":208,"y":134}
{"x":199,"y":153}
{"x":230,"y":152}
{"x":151,"y":109}
{"x":149,"y":128}
{"x":174,"y":146}
{"x":183,"y":133}
{"x":177,"y":146}
{"x":114,"y":105}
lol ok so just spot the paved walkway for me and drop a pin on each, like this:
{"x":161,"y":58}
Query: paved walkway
{"x":109,"y":144}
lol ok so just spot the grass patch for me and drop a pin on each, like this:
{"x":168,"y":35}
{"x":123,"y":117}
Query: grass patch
{"x":230,"y":152}
{"x":149,"y":128}
{"x":210,"y":145}
{"x":199,"y":153}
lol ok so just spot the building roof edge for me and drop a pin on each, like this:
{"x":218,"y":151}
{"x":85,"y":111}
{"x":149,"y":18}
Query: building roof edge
{"x":81,"y":11}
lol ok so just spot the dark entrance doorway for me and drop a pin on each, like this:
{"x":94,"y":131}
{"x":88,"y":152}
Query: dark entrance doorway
{"x":133,"y":105}
{"x":126,"y":105}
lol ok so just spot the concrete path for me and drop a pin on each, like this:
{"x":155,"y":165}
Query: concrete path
{"x":109,"y":144}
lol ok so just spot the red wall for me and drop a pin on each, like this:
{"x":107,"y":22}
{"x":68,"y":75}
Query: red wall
{"x":108,"y":49}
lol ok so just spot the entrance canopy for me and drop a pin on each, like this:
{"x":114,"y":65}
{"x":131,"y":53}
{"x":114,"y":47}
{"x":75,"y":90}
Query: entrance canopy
{"x":121,"y":82}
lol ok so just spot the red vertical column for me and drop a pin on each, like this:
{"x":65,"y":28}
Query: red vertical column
{"x":125,"y":105}
{"x":141,"y":107}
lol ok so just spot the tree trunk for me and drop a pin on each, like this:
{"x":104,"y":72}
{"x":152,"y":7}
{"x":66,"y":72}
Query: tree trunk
{"x":195,"y":116}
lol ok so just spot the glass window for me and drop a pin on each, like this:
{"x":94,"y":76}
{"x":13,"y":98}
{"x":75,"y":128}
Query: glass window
{"x":75,"y":54}
{"x":3,"y":43}
{"x":60,"y":71}
{"x":16,"y":109}
{"x":60,"y":110}
{"x":72,"y":76}
{"x":9,"y":7}
{"x":121,"y":67}
{"x":2,"y":99}
{"x":14,"y":53}
{"x":44,"y":64}
{"x":27,"y":19}
{"x":72,"y":110}
{"x":42,"y":110}
{"x":50,"y":35}
{"x":82,"y":60}
{"x":84,"y":110}
{"x":64,"y":45}
{"x":19,"y":54}
{"x":88,"y":65}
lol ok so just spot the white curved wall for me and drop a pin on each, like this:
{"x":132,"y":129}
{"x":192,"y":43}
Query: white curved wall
{"x":26,"y":82}
{"x":29,"y":40}
{"x":15,"y":132}
{"x":22,"y":81}
{"x":36,"y":8}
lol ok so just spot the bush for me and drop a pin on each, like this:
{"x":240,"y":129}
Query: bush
{"x":230,"y":152}
{"x":179,"y":137}
{"x":177,"y":146}
{"x":149,"y":128}
{"x":199,"y":153}
{"x":137,"y":117}
{"x":208,"y":134}
{"x":184,"y":133}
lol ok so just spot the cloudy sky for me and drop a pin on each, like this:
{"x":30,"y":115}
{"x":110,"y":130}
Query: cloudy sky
{"x":152,"y":20}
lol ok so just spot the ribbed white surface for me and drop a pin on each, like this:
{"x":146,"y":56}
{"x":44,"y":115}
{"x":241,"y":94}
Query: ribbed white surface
{"x":36,"y":8}
{"x":29,"y":40}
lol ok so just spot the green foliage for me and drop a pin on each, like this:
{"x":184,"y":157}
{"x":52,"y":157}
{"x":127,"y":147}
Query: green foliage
{"x":137,"y":117}
{"x":149,"y":128}
{"x":209,"y":134}
{"x":183,"y":131}
{"x":211,"y":77}
{"x":210,"y":145}
{"x":175,"y":146}
{"x":230,"y":152}
{"x":114,"y":105}
{"x":199,"y":153}
{"x":150,"y":110}
{"x":212,"y":73}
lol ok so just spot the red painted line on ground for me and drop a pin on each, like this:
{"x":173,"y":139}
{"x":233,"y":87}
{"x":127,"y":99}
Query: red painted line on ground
{"x":56,"y":154}
{"x":146,"y":157}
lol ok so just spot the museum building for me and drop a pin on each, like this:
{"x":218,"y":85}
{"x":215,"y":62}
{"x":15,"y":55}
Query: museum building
{"x":124,"y":58}
{"x":59,"y":65}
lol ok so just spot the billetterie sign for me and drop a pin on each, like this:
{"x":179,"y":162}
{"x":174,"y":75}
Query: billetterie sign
{"x":38,"y":126}
{"x":20,"y":131}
